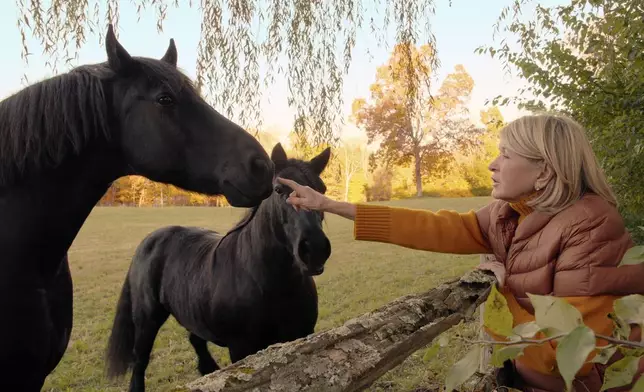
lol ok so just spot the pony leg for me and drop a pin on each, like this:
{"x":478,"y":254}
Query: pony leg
{"x":240,"y":350}
{"x":206,"y":363}
{"x":146,"y":332}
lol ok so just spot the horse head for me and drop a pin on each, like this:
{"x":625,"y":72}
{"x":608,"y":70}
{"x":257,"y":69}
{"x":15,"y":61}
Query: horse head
{"x":303,"y":229}
{"x":168,"y":133}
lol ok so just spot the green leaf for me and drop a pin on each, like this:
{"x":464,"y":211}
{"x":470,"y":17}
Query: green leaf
{"x":605,"y":353}
{"x":502,"y":354}
{"x":572,"y":352}
{"x":431,"y":352}
{"x":639,"y":385}
{"x":526,"y":330}
{"x":620,"y":373}
{"x":555,"y":313}
{"x":497,"y":316}
{"x":633,"y":256}
{"x":463,"y":369}
{"x":630,"y":308}
{"x":631,"y":351}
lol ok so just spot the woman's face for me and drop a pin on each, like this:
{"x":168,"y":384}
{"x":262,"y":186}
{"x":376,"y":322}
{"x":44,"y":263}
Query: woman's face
{"x":513,"y":176}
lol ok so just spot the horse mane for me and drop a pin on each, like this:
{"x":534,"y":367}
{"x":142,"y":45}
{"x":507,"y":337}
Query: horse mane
{"x":46,"y":121}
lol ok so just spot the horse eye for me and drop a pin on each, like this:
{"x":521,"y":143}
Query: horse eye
{"x":165,"y":100}
{"x":279,"y":190}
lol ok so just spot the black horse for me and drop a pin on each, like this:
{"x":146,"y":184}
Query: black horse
{"x":246,"y":290}
{"x":63,"y":141}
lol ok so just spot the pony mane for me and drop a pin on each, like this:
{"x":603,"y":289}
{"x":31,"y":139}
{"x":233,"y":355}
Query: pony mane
{"x":46,"y":121}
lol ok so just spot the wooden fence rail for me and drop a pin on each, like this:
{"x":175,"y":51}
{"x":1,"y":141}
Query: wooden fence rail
{"x":351,"y":357}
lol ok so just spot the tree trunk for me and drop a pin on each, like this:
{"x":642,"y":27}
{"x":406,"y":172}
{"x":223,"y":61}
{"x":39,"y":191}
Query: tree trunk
{"x":348,"y":172}
{"x":142,"y":196}
{"x":347,"y":183}
{"x":417,"y":174}
{"x":353,"y":356}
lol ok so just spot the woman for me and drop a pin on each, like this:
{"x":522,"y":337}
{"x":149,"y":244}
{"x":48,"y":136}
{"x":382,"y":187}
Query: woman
{"x":554,"y":230}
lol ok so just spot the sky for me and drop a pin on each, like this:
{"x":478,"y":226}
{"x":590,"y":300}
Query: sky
{"x":459,"y":29}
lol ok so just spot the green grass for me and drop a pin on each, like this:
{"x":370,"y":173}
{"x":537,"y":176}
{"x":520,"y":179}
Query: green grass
{"x":359,"y":277}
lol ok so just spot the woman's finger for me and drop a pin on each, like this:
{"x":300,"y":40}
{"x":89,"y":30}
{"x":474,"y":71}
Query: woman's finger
{"x":295,"y":200}
{"x":290,"y":183}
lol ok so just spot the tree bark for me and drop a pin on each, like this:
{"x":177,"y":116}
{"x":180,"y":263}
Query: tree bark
{"x":418,"y":174}
{"x":353,"y":356}
{"x":347,"y":183}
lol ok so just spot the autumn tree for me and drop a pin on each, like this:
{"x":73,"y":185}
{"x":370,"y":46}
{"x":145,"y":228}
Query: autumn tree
{"x":354,"y":159}
{"x":474,"y":167}
{"x":411,"y":124}
{"x":586,"y":59}
{"x":238,"y":38}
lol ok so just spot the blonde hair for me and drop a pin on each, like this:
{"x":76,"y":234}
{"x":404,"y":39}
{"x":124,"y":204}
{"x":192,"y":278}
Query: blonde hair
{"x":561,"y":143}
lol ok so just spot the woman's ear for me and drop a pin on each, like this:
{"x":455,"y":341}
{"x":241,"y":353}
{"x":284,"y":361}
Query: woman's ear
{"x":546,"y":175}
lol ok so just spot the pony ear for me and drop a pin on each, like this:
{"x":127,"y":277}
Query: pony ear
{"x":117,"y":57}
{"x":318,"y":164}
{"x":278,"y":154}
{"x":171,"y":55}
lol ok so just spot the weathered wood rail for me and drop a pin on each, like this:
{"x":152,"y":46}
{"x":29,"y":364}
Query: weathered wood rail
{"x":351,"y":357}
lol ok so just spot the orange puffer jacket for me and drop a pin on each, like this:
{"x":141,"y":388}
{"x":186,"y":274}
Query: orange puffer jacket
{"x":573,"y":254}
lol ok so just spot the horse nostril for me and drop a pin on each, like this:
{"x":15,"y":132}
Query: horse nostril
{"x":260,"y":167}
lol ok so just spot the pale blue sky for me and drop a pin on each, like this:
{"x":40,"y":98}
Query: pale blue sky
{"x":459,"y":29}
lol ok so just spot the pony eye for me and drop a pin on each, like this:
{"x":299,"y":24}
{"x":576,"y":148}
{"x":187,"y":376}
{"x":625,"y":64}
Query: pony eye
{"x":279,"y":190}
{"x":165,"y":100}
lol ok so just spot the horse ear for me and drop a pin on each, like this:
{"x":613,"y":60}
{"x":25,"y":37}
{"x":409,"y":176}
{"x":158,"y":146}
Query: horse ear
{"x":278,"y":154}
{"x":318,"y":164}
{"x":117,"y":57}
{"x":170,"y":55}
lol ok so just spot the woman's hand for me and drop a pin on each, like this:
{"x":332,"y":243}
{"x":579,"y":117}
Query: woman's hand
{"x":304,"y":197}
{"x":497,"y":267}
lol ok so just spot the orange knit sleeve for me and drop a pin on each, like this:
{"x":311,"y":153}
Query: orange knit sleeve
{"x":443,"y":231}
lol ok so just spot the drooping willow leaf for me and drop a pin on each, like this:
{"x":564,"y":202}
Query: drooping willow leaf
{"x":316,"y":37}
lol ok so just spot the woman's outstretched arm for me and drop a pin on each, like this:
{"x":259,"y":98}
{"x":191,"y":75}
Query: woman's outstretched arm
{"x":341,"y":208}
{"x":443,"y":231}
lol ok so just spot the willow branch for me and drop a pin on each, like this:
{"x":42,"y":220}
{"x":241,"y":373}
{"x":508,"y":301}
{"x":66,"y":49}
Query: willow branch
{"x":628,"y":343}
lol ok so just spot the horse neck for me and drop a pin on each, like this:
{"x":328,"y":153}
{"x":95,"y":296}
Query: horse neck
{"x":265,"y":247}
{"x":43,"y":213}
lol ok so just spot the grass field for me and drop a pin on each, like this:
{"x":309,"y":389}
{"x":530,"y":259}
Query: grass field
{"x":359,"y":277}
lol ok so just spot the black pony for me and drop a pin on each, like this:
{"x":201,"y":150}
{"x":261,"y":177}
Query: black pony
{"x":246,"y":290}
{"x":63,"y":141}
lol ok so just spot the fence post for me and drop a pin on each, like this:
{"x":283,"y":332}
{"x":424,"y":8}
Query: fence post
{"x":485,"y":356}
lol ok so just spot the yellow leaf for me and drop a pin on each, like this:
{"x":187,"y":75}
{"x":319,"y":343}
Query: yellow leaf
{"x":497,"y":316}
